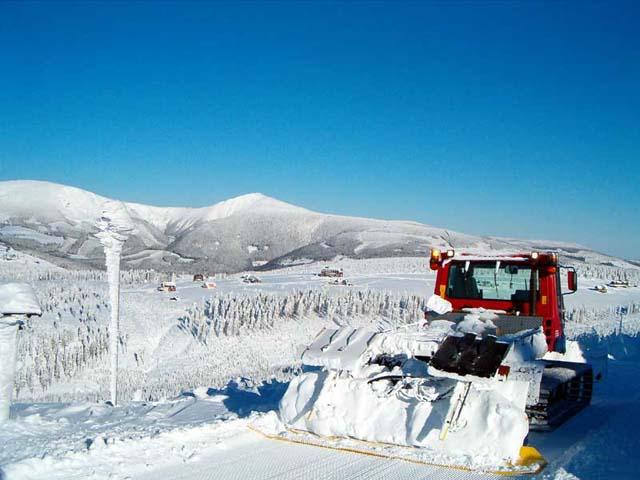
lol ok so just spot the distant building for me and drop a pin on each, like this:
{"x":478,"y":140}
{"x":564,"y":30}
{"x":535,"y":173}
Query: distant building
{"x":331,"y":272}
{"x":167,"y":287}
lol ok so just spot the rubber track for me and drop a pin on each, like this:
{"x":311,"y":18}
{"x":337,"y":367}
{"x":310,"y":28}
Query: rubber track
{"x":560,"y":401}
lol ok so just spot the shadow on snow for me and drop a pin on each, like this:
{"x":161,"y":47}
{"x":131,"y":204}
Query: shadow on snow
{"x":244,"y":398}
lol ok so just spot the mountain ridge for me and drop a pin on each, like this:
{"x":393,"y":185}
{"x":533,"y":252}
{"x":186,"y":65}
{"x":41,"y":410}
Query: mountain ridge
{"x":57,"y":223}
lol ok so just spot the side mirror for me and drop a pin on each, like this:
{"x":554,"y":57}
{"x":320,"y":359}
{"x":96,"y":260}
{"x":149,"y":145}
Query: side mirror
{"x":572,"y":280}
{"x":511,"y":269}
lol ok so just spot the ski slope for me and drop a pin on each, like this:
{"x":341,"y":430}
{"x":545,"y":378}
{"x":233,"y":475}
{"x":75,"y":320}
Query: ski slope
{"x":251,"y":457}
{"x":204,"y":432}
{"x":598,"y":443}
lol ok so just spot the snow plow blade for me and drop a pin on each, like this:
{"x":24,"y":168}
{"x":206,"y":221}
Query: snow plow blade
{"x":470,"y":355}
{"x":530,"y":462}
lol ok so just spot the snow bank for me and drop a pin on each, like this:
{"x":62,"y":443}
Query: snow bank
{"x":73,"y":440}
{"x":101,"y":444}
{"x":18,"y":299}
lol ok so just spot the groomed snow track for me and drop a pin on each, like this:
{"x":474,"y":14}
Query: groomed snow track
{"x":256,"y":458}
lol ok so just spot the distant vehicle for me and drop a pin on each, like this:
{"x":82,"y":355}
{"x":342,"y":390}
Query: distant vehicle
{"x":167,"y":287}
{"x":619,"y":284}
{"x":198,"y":277}
{"x":9,"y":254}
{"x":331,"y":272}
{"x":342,"y":283}
{"x":250,"y":279}
{"x":600,"y":288}
{"x":209,"y":284}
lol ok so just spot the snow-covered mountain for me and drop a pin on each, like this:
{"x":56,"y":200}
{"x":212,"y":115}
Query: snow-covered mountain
{"x":57,"y":223}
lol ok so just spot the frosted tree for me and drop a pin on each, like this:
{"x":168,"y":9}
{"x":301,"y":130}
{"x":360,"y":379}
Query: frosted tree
{"x":113,"y":226}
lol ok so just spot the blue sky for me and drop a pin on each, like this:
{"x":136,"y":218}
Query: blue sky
{"x":513,"y":119}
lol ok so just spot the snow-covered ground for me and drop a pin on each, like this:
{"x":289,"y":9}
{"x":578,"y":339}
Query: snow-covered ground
{"x":199,"y":365}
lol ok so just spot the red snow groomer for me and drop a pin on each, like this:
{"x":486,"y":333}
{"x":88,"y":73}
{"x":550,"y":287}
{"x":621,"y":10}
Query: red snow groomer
{"x":525,"y":292}
{"x":460,"y":389}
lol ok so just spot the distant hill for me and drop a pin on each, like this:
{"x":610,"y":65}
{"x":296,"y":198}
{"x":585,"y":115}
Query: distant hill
{"x":56,"y":222}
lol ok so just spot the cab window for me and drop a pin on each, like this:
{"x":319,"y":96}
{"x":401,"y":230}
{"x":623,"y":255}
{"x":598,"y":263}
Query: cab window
{"x":489,"y":281}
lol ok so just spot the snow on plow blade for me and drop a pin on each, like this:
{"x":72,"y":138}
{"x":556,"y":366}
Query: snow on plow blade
{"x":474,"y":423}
{"x":427,"y":394}
{"x":529,"y":462}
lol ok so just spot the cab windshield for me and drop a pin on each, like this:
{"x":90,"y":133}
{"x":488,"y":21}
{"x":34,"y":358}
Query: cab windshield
{"x":489,"y":281}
